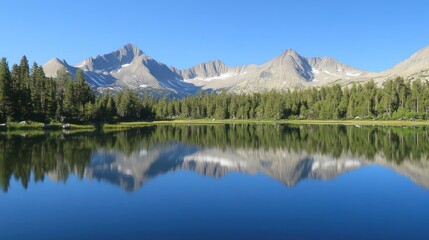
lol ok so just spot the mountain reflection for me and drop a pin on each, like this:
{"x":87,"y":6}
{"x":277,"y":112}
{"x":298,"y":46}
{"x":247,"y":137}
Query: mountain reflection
{"x":288,"y":154}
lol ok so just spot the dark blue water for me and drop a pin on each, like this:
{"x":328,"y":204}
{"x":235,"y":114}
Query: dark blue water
{"x":138,"y":185}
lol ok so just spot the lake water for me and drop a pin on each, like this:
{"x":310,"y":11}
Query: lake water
{"x":216,"y":182}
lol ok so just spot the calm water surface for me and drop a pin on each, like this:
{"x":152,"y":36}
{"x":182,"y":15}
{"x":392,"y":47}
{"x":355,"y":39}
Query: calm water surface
{"x":216,"y":182}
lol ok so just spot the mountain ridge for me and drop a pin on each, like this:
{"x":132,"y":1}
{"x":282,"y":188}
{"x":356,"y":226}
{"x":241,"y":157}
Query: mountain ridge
{"x":130,"y":67}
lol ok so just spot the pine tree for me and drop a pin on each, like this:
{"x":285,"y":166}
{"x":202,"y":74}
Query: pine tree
{"x":110,"y":109}
{"x":83,"y":89}
{"x":83,"y":93}
{"x":416,"y":95}
{"x":24,"y":72}
{"x":37,"y":92}
{"x":25,"y":96}
{"x":69,"y":103}
{"x":16,"y":93}
{"x":50,"y":100}
{"x":5,"y":90}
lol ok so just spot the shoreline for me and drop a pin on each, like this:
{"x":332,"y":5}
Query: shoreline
{"x":399,"y":123}
{"x":128,"y":125}
{"x":16,"y":126}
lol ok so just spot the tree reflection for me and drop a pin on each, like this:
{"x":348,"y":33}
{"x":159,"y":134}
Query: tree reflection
{"x":33,"y":155}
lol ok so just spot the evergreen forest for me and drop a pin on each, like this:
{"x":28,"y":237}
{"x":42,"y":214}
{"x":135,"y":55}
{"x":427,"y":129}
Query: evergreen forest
{"x":26,"y":94}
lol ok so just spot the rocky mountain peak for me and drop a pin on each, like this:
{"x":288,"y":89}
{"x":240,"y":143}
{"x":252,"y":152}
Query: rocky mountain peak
{"x":129,"y":50}
{"x":418,"y":62}
{"x":112,"y":61}
{"x":289,"y":55}
{"x":421,"y":56}
{"x":290,"y":52}
{"x":53,"y":65}
{"x":205,"y":70}
{"x":55,"y":61}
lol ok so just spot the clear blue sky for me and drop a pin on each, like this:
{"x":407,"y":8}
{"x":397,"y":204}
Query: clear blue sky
{"x":368,"y":34}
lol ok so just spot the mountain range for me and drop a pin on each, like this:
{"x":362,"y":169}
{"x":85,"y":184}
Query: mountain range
{"x":129,"y":67}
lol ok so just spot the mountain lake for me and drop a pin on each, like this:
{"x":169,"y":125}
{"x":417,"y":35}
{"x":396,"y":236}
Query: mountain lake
{"x":232,"y":181}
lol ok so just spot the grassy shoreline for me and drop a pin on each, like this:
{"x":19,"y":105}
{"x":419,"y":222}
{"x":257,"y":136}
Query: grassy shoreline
{"x":40,"y":126}
{"x":294,"y":122}
{"x":128,"y":125}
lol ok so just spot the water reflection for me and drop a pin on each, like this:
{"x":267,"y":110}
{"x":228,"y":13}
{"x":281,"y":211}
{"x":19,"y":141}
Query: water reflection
{"x":288,"y":154}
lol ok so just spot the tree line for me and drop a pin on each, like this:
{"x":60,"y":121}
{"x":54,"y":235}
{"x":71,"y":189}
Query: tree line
{"x":27,"y":94}
{"x":397,"y":99}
